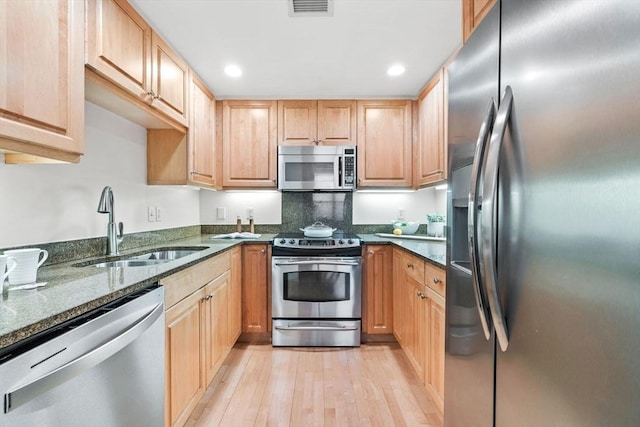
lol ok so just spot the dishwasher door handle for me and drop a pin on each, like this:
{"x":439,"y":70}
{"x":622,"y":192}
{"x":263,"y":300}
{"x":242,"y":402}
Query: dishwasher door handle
{"x":24,"y":393}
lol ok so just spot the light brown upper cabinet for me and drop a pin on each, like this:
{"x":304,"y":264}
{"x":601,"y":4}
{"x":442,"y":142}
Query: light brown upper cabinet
{"x":133,"y":71}
{"x":473,"y":11}
{"x":176,"y":158}
{"x":169,"y":80}
{"x":384,"y":143}
{"x":323,"y":122}
{"x":249,"y":132}
{"x":430,"y":149}
{"x":202,"y":130}
{"x":42,"y":91}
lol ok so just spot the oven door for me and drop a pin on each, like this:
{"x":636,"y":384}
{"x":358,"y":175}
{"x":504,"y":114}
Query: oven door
{"x":316,"y":287}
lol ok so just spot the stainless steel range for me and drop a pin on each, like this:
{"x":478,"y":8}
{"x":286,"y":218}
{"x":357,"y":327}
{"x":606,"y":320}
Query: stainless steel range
{"x":317,"y":290}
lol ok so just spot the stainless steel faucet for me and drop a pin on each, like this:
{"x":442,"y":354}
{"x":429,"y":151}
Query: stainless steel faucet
{"x":106,"y":205}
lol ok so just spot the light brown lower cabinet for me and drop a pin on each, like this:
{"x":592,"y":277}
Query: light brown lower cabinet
{"x":200,"y":301}
{"x":419,"y":319}
{"x":378,"y":289}
{"x":255,"y":292}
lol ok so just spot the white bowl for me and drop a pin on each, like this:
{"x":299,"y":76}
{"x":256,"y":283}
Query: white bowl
{"x":407,"y":227}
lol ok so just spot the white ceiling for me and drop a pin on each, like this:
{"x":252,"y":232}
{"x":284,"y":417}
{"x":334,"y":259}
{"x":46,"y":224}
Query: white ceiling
{"x":342,"y":56}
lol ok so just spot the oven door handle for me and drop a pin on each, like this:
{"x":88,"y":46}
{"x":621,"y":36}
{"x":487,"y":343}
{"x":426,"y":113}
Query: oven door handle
{"x":317,"y":328}
{"x":312,"y":262}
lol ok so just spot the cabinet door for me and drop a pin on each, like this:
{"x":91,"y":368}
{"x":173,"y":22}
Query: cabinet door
{"x":398,"y":296}
{"x":415,"y":326}
{"x":216,"y":303}
{"x":473,"y":11}
{"x":337,"y":122}
{"x":169,"y":80}
{"x":249,"y":132}
{"x":430,"y":159}
{"x":254,"y":289}
{"x":297,"y":122}
{"x":379,"y":289}
{"x":235,"y":297}
{"x":42,"y":91}
{"x":201,"y":134}
{"x":118,"y":45}
{"x":434,"y":372}
{"x":384,"y":144}
{"x":184,"y":354}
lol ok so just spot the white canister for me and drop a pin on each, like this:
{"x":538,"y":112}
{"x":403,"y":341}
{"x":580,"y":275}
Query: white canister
{"x":435,"y":229}
{"x":27,"y":263}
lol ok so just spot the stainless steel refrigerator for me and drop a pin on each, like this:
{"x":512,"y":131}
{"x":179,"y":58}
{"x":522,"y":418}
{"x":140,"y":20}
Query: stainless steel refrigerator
{"x":543,"y":255}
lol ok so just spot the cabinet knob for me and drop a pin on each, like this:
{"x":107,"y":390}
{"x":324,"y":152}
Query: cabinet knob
{"x":262,"y":251}
{"x":371,"y":252}
{"x":409,"y":265}
{"x":436,"y":280}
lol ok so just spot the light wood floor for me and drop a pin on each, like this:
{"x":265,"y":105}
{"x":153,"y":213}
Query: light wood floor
{"x":259,"y":385}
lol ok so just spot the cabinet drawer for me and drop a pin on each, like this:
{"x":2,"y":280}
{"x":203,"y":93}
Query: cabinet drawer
{"x":434,"y":278}
{"x":413,"y":266}
{"x":183,"y":283}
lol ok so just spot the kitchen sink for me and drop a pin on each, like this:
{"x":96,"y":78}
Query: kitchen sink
{"x":158,"y":256}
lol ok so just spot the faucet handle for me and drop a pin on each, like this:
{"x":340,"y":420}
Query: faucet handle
{"x":120,"y":232}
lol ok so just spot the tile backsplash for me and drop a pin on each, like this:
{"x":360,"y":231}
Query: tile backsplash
{"x":304,"y":208}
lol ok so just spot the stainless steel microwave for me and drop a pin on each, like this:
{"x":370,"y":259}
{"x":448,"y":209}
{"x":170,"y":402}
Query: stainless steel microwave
{"x":325,"y":168}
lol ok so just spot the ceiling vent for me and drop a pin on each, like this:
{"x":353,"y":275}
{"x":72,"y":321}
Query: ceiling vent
{"x":310,"y":7}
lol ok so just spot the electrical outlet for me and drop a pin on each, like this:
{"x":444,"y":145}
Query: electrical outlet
{"x":250,"y":212}
{"x":151,"y":213}
{"x":221,"y":213}
{"x":401,"y":213}
{"x":158,"y":213}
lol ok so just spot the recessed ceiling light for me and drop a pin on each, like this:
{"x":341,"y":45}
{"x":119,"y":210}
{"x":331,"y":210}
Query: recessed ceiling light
{"x":395,"y":70}
{"x":233,"y":71}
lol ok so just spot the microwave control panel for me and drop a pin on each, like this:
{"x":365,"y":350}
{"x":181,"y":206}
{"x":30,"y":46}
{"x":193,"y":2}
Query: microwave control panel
{"x":349,"y":168}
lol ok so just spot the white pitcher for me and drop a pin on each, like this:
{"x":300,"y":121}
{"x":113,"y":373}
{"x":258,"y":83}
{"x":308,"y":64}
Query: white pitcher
{"x":27,"y":263}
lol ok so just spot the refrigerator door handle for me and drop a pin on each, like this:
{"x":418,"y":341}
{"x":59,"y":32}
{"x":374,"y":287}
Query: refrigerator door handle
{"x":489,"y":215}
{"x":474,"y":243}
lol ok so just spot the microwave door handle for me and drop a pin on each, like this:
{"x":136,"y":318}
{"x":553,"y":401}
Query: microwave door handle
{"x":340,"y":176}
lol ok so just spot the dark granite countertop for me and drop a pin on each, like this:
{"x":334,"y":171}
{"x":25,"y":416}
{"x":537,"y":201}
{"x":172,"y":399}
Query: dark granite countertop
{"x":431,"y":251}
{"x":72,"y":291}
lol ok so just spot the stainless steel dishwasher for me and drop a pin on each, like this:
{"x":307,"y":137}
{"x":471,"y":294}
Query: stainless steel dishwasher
{"x":104,"y":368}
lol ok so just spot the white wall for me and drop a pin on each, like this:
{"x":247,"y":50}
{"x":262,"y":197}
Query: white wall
{"x":368,"y":207}
{"x":267,"y":206}
{"x":382,"y":207}
{"x":57,"y":202}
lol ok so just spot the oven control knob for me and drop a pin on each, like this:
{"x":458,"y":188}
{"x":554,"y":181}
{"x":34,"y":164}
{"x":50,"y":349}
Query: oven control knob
{"x":340,"y":242}
{"x":282,"y":242}
{"x":291,"y":242}
{"x":350,"y":242}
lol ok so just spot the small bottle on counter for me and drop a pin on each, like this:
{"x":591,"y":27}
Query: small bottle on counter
{"x":239,"y":224}
{"x":251,"y":225}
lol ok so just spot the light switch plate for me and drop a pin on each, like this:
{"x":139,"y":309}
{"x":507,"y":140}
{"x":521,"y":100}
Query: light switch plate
{"x":221,"y":213}
{"x":151,"y":213}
